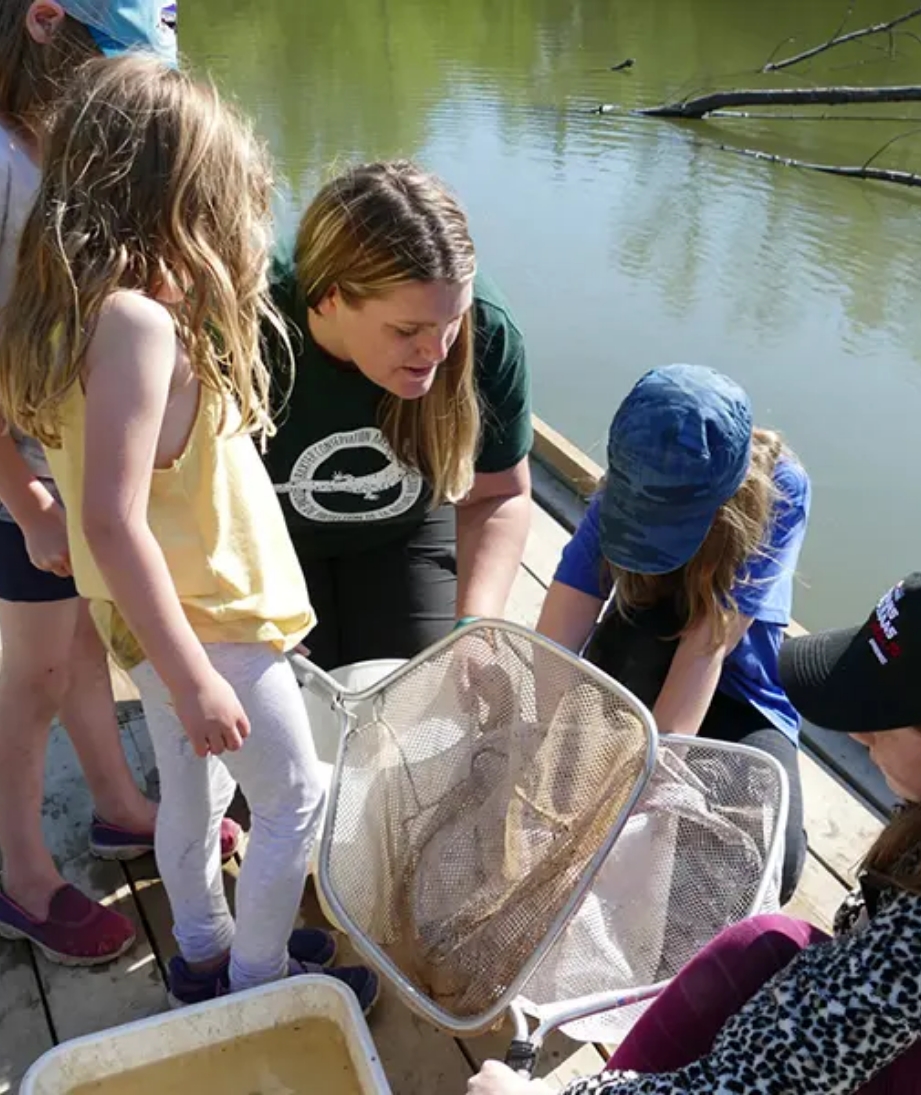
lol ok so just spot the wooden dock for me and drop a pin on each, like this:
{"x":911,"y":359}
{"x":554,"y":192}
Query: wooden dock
{"x":42,"y":1004}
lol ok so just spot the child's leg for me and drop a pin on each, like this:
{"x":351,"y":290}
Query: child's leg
{"x":33,"y":677}
{"x":681,"y":1025}
{"x":194,"y":794}
{"x":278,"y":771}
{"x":88,"y":713}
{"x":732,"y":720}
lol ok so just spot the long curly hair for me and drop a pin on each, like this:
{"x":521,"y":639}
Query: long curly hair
{"x":149,"y":179}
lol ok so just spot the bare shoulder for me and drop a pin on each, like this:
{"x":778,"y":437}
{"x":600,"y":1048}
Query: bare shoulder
{"x":133,"y":333}
{"x":134,"y":313}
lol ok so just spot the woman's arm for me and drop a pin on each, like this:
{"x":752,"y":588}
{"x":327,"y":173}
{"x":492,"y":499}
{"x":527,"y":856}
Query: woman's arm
{"x":129,"y":368}
{"x":693,"y":677}
{"x":492,"y":528}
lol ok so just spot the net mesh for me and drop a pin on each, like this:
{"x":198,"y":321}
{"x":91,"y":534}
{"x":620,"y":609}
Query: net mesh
{"x":689,"y":862}
{"x":470,"y":800}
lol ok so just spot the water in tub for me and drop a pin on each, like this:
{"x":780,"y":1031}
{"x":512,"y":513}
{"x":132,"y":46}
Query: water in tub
{"x":308,"y":1057}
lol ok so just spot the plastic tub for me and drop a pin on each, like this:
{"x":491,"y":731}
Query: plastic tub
{"x":112,"y":1053}
{"x":325,"y":720}
{"x":326,"y":725}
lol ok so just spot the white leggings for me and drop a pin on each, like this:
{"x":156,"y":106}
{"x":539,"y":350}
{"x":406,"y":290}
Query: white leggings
{"x":278,"y":771}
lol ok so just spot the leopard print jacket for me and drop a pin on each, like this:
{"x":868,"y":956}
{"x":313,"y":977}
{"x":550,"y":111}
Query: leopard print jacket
{"x":839,"y":1013}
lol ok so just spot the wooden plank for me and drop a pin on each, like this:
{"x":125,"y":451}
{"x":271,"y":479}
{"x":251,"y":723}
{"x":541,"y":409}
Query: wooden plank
{"x":840,"y":829}
{"x":525,"y":600}
{"x":82,"y":1001}
{"x":418,"y":1058}
{"x":565,"y":458}
{"x":545,"y":544}
{"x":840,"y":754}
{"x":24,"y":1031}
{"x":586,"y":1061}
{"x":817,"y":897}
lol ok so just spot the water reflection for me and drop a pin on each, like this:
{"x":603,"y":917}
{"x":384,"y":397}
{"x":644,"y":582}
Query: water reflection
{"x":625,"y":242}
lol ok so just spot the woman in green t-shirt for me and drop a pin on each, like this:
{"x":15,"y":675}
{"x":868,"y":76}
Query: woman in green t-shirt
{"x":401,"y":452}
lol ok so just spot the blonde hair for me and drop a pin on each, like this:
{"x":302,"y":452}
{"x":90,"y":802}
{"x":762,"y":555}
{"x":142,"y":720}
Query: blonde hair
{"x":372,"y":229}
{"x":32,"y":74}
{"x":148,"y":179}
{"x":703,"y":587}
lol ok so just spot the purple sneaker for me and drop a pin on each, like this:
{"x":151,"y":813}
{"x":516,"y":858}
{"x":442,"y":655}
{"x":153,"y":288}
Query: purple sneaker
{"x":363,"y":982}
{"x":307,"y":946}
{"x":108,"y":841}
{"x":77,"y":931}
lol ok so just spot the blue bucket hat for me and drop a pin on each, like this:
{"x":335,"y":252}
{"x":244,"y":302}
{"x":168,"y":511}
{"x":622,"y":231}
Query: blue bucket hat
{"x":679,"y":447}
{"x":119,"y":26}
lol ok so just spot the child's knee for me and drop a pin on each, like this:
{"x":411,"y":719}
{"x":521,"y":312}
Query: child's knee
{"x":36,"y":686}
{"x":293,"y":813}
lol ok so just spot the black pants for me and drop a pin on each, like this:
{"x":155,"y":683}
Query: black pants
{"x":638,"y":652}
{"x":386,"y":602}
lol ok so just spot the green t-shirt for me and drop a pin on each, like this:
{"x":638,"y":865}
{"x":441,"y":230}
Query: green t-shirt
{"x":341,"y":487}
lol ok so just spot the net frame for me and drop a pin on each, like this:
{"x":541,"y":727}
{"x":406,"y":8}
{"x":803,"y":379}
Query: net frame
{"x":565,"y":1012}
{"x":346,"y":704}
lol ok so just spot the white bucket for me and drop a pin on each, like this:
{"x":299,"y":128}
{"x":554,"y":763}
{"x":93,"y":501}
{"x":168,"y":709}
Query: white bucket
{"x":111,"y":1053}
{"x":326,"y":722}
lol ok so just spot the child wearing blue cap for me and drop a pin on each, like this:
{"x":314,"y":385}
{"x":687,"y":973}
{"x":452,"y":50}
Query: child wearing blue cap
{"x":692,"y":544}
{"x":52,"y":660}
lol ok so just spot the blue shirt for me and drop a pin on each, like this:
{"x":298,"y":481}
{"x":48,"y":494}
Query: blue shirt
{"x":764,"y":591}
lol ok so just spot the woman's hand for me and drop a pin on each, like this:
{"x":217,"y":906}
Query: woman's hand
{"x":212,"y":716}
{"x":497,"y":1079}
{"x":46,"y":540}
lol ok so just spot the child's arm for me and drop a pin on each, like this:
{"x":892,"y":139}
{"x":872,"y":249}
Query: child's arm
{"x":37,"y":513}
{"x":693,"y":677}
{"x":577,"y":595}
{"x":568,"y":615}
{"x":128,"y":372}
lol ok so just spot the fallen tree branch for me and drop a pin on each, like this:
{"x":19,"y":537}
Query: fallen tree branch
{"x":829,"y":96}
{"x":840,"y":39}
{"x":775,"y":116}
{"x":878,"y":174}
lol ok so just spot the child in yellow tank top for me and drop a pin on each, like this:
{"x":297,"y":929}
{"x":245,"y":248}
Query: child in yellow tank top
{"x":147,"y":279}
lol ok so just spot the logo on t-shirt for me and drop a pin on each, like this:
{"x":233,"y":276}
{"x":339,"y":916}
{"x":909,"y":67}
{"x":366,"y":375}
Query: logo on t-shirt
{"x":321,"y":489}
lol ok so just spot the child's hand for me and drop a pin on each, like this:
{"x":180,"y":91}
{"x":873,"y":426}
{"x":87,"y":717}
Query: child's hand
{"x":212,"y":716}
{"x":46,"y":541}
{"x":496,"y":1079}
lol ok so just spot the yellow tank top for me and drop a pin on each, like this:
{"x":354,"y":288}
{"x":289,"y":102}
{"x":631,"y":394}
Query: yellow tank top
{"x":220,"y":526}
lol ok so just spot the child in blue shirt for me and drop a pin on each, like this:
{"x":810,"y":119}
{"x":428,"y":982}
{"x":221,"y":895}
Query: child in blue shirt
{"x":687,"y":554}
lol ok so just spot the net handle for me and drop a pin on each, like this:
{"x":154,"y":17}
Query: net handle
{"x":524,"y":1050}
